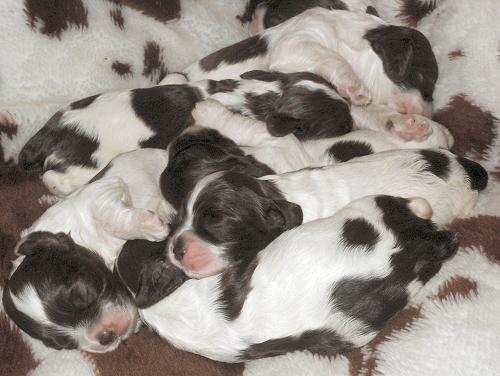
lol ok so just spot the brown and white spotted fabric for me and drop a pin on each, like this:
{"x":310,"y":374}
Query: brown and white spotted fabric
{"x":451,"y":328}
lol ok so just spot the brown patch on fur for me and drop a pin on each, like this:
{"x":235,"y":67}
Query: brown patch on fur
{"x":147,"y":354}
{"x":52,"y":17}
{"x":154,"y":66}
{"x":481,"y":232}
{"x":455,"y":54}
{"x":412,"y":11}
{"x":19,"y":207}
{"x":472,"y":127}
{"x":122,"y":69}
{"x":457,"y":287}
{"x":16,"y":357}
{"x":403,"y":321}
{"x":160,"y":10}
{"x":117,"y":17}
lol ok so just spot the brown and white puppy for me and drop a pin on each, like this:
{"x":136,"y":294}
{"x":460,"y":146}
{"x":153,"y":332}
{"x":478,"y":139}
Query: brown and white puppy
{"x":78,"y":141}
{"x":64,"y":295}
{"x":329,"y":285}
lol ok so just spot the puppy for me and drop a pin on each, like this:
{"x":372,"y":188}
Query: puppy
{"x":362,"y":56}
{"x":80,"y":140}
{"x":263,"y":14}
{"x":329,"y":285}
{"x":123,"y":202}
{"x":62,"y":294}
{"x":230,"y":216}
{"x":380,"y":129}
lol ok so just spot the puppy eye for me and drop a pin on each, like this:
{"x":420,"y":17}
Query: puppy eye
{"x":82,"y":296}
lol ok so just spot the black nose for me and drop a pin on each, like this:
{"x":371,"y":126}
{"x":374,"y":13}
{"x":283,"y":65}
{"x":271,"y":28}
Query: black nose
{"x":107,"y":337}
{"x":179,"y":249}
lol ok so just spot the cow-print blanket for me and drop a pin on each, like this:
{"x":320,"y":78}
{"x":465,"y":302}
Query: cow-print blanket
{"x":56,"y":51}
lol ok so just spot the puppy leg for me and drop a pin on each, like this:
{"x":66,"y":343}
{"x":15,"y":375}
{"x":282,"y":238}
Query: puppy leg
{"x":63,"y":183}
{"x":290,"y":56}
{"x":113,"y":210}
{"x":242,"y":130}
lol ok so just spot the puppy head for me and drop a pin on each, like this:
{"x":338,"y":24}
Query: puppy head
{"x":409,"y":62}
{"x":423,"y":247}
{"x":310,"y":108}
{"x":63,"y":295}
{"x":146,"y":273}
{"x":227,"y":218}
{"x":264,"y":14}
{"x":199,"y":152}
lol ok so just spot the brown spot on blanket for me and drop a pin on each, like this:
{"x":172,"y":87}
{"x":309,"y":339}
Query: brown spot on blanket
{"x":455,"y":54}
{"x":457,"y":287}
{"x":412,"y":11}
{"x":154,"y":66}
{"x":480,"y":232}
{"x":145,"y":353}
{"x":160,"y":10}
{"x":117,"y":17}
{"x":16,"y":357}
{"x":472,"y":127}
{"x":52,"y":17}
{"x":364,"y":361}
{"x":8,"y":127}
{"x":122,"y":69}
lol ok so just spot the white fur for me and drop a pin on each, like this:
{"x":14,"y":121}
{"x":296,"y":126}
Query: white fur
{"x":189,"y":318}
{"x":321,"y":192}
{"x":126,"y":203}
{"x":329,"y":43}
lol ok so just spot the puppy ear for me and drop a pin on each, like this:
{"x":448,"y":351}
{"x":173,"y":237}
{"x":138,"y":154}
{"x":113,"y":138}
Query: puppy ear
{"x":279,"y":125}
{"x":43,"y":240}
{"x":156,"y":281}
{"x":396,"y":51}
{"x":432,"y":252}
{"x":283,"y":215}
{"x":81,"y":295}
{"x":251,"y":168}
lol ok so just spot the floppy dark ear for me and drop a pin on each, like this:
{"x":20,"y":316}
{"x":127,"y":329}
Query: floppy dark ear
{"x":43,"y":240}
{"x":284,"y":215}
{"x":81,"y":295}
{"x":156,"y":281}
{"x":397,"y":56}
{"x":279,"y":125}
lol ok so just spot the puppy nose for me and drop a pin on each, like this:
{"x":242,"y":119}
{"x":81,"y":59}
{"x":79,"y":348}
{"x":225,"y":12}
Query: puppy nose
{"x":107,"y":337}
{"x":179,"y":249}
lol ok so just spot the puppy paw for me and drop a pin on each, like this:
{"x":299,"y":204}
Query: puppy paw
{"x":409,"y":127}
{"x":174,"y":79}
{"x":208,"y":111}
{"x":352,"y":88}
{"x":153,"y":228}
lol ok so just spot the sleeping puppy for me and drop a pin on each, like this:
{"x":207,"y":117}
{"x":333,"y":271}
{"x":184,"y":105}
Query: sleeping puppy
{"x":379,"y":130}
{"x":230,"y":216}
{"x":263,"y":14}
{"x":366,"y":59}
{"x":62,"y":294}
{"x":80,"y":140}
{"x":363,"y":265}
{"x":61,"y":289}
{"x":123,"y":202}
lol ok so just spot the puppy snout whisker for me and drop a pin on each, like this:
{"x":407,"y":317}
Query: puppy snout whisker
{"x":107,"y":337}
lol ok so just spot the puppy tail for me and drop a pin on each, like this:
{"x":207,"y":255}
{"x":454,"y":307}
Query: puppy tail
{"x":40,"y":146}
{"x":478,"y":176}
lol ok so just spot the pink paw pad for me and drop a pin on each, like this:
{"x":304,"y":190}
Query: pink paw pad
{"x":410,"y":127}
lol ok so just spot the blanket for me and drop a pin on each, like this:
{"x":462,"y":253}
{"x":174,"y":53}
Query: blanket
{"x":450,"y":328}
